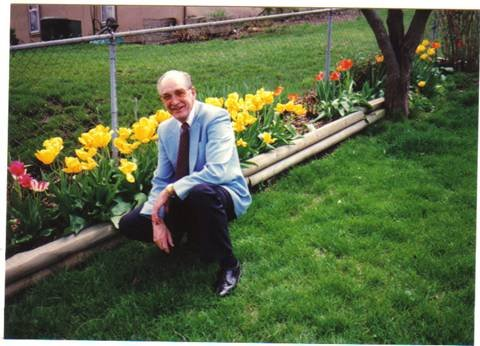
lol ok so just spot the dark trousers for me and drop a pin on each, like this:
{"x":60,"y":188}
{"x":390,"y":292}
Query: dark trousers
{"x":203,"y":215}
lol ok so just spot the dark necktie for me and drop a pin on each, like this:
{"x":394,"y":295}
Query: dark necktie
{"x":183,"y":148}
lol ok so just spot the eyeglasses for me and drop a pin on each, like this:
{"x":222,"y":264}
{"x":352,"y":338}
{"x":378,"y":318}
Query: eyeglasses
{"x":179,"y":93}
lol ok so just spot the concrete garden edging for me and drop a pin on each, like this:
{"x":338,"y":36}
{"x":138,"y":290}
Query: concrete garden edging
{"x":27,"y":268}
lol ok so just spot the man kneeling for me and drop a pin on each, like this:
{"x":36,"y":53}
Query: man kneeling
{"x":198,"y":186}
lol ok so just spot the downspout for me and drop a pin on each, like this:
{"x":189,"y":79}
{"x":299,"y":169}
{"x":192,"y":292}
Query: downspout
{"x":184,"y":15}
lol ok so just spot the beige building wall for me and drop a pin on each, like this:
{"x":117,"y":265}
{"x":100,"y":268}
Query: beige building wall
{"x":230,"y":11}
{"x":129,"y":17}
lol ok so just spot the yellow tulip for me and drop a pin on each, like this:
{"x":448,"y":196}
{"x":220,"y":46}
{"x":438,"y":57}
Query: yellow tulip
{"x":266,"y":96}
{"x":242,"y":143}
{"x":280,"y":108}
{"x":127,"y":168}
{"x":232,"y":103}
{"x":425,"y":43}
{"x":238,"y":126}
{"x":431,"y":51}
{"x":144,"y":130}
{"x":72,"y":165}
{"x":162,"y":115}
{"x":267,"y":138}
{"x":420,"y":49}
{"x":379,"y":58}
{"x":85,"y":155}
{"x":424,"y":56}
{"x":88,"y":164}
{"x":124,"y":147}
{"x":299,"y":110}
{"x":253,"y":103}
{"x":98,"y":137}
{"x":215,"y":101}
{"x":421,"y":84}
{"x":54,"y":143}
{"x":124,"y":132}
{"x":46,"y":156}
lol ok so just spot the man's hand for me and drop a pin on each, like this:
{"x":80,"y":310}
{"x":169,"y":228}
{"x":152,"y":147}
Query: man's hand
{"x":162,"y":236}
{"x":162,"y":200}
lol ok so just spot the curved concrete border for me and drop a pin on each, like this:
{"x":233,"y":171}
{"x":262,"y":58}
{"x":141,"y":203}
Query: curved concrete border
{"x":25,"y":269}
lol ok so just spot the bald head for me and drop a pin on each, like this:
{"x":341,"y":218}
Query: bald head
{"x":177,"y":93}
{"x":180,"y":77}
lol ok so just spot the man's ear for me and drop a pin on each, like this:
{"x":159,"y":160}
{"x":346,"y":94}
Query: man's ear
{"x":194,"y":91}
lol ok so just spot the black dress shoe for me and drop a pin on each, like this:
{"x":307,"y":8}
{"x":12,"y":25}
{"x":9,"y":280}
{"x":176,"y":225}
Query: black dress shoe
{"x":227,"y":279}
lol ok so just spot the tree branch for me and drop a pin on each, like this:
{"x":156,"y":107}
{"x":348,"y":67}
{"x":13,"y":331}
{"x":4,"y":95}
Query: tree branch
{"x":396,"y":30}
{"x":415,"y":30}
{"x":383,"y":39}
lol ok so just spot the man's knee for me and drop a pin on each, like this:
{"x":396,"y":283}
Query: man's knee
{"x":201,"y":195}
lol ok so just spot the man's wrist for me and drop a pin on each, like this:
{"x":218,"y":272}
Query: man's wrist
{"x":170,"y":190}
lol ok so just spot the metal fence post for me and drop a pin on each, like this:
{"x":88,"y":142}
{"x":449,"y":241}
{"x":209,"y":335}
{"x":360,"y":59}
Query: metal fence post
{"x":329,"y":45}
{"x":113,"y":93}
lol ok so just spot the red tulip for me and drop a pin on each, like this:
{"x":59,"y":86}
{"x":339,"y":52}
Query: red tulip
{"x":24,"y":180}
{"x":344,"y":65}
{"x":16,"y":168}
{"x":335,"y":75}
{"x":319,"y":76}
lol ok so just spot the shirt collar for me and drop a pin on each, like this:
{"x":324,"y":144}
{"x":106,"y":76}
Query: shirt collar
{"x":191,"y":115}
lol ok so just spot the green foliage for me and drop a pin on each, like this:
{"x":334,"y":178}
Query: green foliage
{"x":372,"y":244}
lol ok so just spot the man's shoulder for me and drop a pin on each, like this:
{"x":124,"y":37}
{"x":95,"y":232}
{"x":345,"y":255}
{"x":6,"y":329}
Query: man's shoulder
{"x":208,"y":112}
{"x":167,"y":124}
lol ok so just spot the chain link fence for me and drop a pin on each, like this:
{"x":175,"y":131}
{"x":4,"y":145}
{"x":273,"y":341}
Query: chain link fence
{"x":63,"y":88}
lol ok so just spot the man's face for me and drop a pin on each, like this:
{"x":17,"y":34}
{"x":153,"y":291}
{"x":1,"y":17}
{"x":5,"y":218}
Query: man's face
{"x":177,"y":97}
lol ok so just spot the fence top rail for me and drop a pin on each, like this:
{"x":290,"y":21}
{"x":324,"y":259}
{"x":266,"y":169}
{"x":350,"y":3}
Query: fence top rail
{"x":163,"y":29}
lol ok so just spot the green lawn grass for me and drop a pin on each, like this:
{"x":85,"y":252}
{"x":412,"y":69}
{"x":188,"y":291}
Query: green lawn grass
{"x":373,"y":243}
{"x":63,"y":91}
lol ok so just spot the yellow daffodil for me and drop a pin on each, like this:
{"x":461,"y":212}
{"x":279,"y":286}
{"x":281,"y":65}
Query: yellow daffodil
{"x":124,"y":132}
{"x":431,"y":51}
{"x":215,"y":101}
{"x":425,"y":43}
{"x":424,"y":56}
{"x":88,"y":164}
{"x":144,"y":130}
{"x":267,"y":138}
{"x":162,"y":115}
{"x":46,"y":156}
{"x":127,"y":168}
{"x":420,"y":49}
{"x":84,"y":155}
{"x":242,"y":143}
{"x":72,"y":165}
{"x":421,"y":84}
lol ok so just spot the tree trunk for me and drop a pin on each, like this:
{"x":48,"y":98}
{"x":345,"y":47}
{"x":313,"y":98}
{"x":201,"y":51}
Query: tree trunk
{"x":398,"y":49}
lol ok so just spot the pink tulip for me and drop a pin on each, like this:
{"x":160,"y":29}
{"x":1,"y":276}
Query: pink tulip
{"x":38,"y":186}
{"x":16,"y":168}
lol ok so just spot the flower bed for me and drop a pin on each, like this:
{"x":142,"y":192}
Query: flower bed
{"x":26,"y":268}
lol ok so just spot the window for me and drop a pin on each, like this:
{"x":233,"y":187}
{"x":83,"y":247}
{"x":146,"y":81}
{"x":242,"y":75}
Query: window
{"x":34,"y":18}
{"x":107,"y":12}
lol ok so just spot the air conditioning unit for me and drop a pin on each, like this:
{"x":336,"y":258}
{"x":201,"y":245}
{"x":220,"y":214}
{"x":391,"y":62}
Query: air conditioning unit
{"x":52,"y":28}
